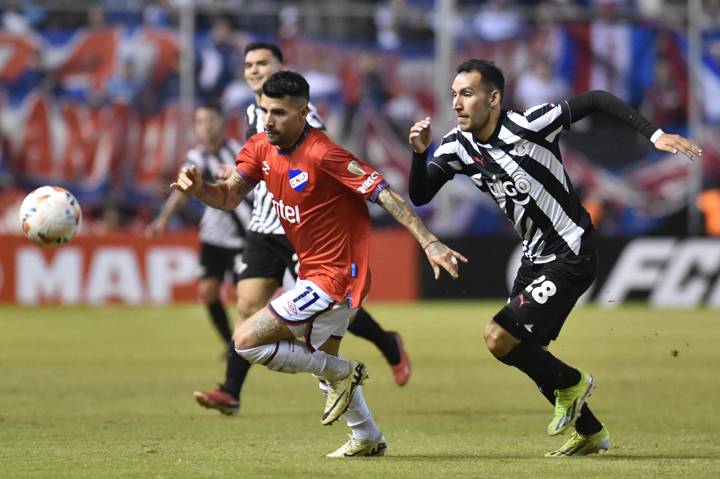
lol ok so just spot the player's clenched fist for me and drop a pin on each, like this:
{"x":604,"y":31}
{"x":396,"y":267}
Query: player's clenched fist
{"x":420,"y":135}
{"x":189,"y":181}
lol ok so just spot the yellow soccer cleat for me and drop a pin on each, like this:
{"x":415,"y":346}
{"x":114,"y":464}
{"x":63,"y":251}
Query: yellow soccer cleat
{"x":579,"y":445}
{"x":569,"y":402}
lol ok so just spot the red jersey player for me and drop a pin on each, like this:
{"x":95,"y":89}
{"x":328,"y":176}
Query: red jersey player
{"x":319,"y":192}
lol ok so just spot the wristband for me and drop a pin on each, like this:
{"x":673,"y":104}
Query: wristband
{"x":429,"y":243}
{"x":656,"y":135}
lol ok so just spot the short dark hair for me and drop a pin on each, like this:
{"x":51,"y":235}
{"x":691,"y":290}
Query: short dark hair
{"x":491,"y":75}
{"x":274,"y":49}
{"x":212,"y":106}
{"x":286,"y":83}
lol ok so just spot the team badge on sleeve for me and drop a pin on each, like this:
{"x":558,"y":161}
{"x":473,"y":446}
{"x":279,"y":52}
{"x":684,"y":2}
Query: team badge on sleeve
{"x":298,"y":179}
{"x":354,"y":168}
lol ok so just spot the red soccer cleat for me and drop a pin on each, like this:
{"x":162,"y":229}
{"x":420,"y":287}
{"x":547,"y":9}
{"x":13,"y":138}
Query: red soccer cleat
{"x":218,"y":399}
{"x":401,"y":371}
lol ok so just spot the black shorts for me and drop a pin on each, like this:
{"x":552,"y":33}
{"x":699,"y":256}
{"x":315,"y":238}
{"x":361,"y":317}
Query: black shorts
{"x":543,"y":296}
{"x":268,"y":256}
{"x":215,"y":261}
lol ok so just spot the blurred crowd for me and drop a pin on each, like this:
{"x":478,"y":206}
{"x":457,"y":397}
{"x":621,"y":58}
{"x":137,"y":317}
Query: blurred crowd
{"x":89,"y":94}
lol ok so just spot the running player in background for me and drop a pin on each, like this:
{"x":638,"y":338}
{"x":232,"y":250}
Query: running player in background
{"x":269,"y":254}
{"x":222,"y":233}
{"x":515,"y":159}
{"x":319,"y":192}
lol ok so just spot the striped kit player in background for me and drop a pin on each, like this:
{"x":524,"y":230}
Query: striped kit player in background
{"x":222,"y":233}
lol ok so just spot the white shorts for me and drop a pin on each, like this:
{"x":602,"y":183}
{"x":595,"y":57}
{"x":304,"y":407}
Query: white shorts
{"x":311,"y":314}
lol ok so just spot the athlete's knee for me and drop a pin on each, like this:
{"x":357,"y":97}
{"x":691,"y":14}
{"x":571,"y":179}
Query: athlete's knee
{"x":244,"y":339}
{"x":209,"y":290}
{"x":498,"y":341}
{"x":492,"y":335}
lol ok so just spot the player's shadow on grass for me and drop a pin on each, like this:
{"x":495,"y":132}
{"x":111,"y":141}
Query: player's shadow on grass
{"x":477,"y":412}
{"x":618,"y":456}
{"x":451,"y":457}
{"x":489,"y":456}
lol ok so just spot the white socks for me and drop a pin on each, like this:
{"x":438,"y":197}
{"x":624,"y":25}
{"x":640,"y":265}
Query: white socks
{"x":358,"y":416}
{"x":290,"y":356}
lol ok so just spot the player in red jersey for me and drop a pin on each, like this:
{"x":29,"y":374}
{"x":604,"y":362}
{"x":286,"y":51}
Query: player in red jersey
{"x":319,"y":192}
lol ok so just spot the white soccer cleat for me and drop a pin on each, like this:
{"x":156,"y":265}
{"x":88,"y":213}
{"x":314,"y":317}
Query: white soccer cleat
{"x":360,"y":448}
{"x":340,"y":393}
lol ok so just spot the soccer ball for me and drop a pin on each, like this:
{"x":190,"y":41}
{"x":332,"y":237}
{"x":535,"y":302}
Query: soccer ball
{"x":50,"y":216}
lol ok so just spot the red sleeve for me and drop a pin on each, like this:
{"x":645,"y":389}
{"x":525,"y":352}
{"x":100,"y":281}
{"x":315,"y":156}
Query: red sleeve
{"x":355,"y":174}
{"x":248,"y":163}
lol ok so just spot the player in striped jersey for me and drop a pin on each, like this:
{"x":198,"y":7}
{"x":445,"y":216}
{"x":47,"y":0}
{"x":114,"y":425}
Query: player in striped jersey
{"x":222,"y":233}
{"x":515,"y":158}
{"x":269,"y":254}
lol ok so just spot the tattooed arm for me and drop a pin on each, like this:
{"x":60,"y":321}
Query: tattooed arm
{"x":223,"y":196}
{"x":437,"y":253}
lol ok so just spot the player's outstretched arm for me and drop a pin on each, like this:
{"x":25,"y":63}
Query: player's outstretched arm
{"x":582,"y":105}
{"x":223,"y":196}
{"x":438,"y":254}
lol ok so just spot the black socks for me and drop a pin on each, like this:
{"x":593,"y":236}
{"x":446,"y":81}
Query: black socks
{"x":236,"y":370}
{"x":367,"y":328}
{"x":220,"y":320}
{"x":549,"y":373}
{"x":541,"y":366}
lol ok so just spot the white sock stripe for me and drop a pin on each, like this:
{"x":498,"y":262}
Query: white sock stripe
{"x":258,"y":354}
{"x":277,"y":347}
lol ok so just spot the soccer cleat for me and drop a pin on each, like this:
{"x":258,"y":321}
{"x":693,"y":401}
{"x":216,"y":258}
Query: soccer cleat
{"x":360,"y":448}
{"x":218,"y":399}
{"x":579,"y":445}
{"x":340,"y":393}
{"x":401,"y":371}
{"x":569,"y":402}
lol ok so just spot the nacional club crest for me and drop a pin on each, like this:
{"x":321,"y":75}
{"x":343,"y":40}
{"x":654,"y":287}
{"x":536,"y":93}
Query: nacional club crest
{"x":298,"y":179}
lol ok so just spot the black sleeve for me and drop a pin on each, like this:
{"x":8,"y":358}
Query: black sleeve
{"x":425,"y":182}
{"x":582,"y":105}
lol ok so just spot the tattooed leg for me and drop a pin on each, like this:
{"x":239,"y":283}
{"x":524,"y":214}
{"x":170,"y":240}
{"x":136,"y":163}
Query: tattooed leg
{"x":265,"y":340}
{"x":261,"y":328}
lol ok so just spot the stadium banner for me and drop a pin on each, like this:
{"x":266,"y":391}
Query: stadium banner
{"x":127,"y":268}
{"x":667,"y":272}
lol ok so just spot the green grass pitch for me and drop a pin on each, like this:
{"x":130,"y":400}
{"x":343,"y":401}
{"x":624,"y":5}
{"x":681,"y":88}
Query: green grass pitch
{"x":107,"y":392}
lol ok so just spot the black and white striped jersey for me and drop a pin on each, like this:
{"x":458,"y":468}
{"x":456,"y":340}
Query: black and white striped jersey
{"x":264,"y":218}
{"x":520,"y":167}
{"x":225,"y":229}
